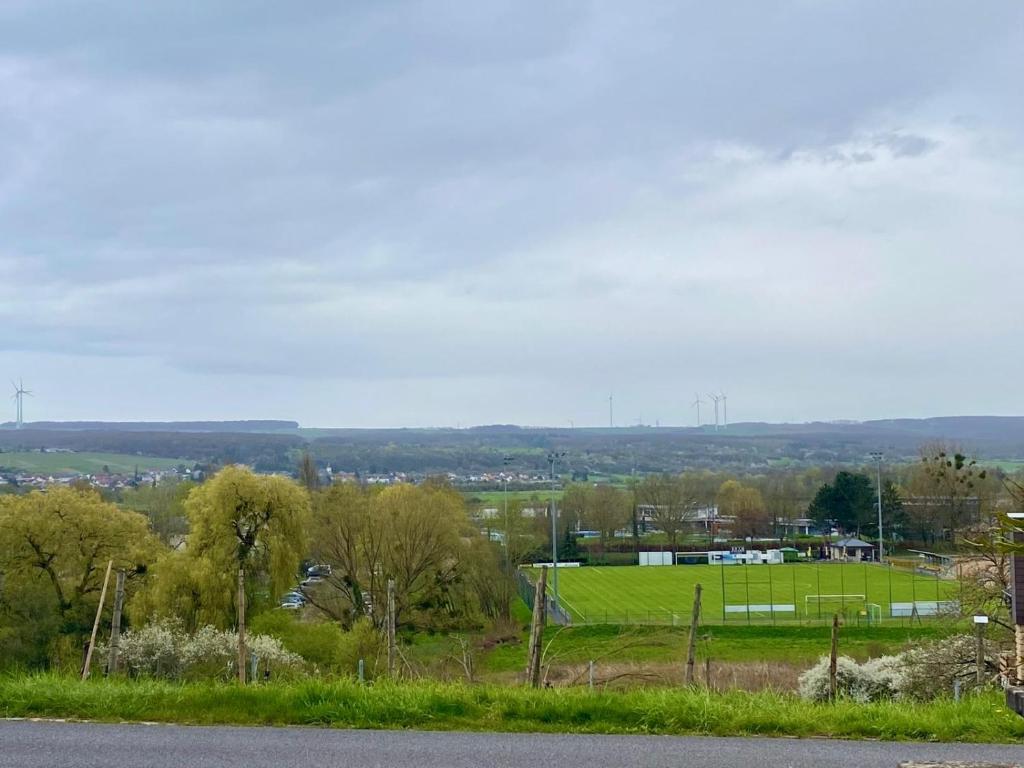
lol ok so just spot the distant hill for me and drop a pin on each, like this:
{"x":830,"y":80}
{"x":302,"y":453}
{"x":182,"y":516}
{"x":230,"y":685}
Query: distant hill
{"x":256,"y":425}
{"x":742,"y":447}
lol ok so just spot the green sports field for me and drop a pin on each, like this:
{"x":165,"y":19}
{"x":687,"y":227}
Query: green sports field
{"x":737,"y":593}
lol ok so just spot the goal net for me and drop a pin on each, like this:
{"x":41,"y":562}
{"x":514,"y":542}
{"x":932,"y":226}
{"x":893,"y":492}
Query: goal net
{"x":815,"y":604}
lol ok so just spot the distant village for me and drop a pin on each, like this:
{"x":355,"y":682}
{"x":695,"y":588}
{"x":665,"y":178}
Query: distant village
{"x":195,"y":472}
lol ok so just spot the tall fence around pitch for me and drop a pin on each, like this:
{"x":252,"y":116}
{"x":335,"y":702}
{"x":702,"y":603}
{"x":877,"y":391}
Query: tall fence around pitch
{"x":526,"y":590}
{"x":801,"y":593}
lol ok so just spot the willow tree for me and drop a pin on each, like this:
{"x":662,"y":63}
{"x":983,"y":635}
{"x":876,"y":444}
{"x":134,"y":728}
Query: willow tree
{"x":54,"y":547}
{"x":248,"y":525}
{"x":238,"y":521}
{"x":418,"y":535}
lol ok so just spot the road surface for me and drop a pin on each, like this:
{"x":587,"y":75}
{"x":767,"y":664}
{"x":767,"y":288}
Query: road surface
{"x":48,"y":744}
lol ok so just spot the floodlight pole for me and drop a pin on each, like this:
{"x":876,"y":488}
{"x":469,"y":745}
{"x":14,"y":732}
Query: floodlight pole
{"x":877,"y":456}
{"x":553,"y":457}
{"x":508,"y":557}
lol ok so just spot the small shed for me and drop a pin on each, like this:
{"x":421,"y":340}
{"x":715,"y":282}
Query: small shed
{"x":851,"y":548}
{"x":790,"y":554}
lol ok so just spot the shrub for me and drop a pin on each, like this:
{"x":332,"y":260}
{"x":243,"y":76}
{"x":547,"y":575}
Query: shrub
{"x":320,"y":643}
{"x":154,"y":650}
{"x":161,"y":649}
{"x":931,"y":669}
{"x":924,"y":672}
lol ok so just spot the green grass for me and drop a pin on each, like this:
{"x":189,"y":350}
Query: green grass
{"x":497,"y":498}
{"x":83,"y":463}
{"x":792,"y":644}
{"x":437,"y":706}
{"x":665,"y":595}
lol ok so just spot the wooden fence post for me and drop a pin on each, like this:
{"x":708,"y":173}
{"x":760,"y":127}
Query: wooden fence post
{"x":96,"y":623}
{"x":392,"y":648}
{"x":535,"y":650}
{"x":691,"y":649}
{"x":833,"y":659}
{"x":979,"y":652}
{"x":241,"y":626}
{"x":114,"y":657}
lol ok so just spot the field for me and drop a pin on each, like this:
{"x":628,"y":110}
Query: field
{"x":497,"y":498}
{"x":82,"y":463}
{"x":665,"y":594}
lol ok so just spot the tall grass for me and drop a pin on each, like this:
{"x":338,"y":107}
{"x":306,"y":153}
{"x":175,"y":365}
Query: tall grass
{"x":431,"y":705}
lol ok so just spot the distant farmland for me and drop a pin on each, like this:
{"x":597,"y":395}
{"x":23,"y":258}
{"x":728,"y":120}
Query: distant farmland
{"x":664,"y":595}
{"x":82,"y":463}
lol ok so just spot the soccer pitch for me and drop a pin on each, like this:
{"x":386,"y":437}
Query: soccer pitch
{"x":738,"y":593}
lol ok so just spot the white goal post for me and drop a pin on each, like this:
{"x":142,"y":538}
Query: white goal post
{"x":833,"y":598}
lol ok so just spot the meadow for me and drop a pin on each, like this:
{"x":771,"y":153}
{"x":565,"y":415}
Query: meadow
{"x":664,"y":595}
{"x":85,"y":463}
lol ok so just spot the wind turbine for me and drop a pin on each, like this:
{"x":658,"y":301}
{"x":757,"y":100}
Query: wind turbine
{"x":19,"y":397}
{"x":715,"y":399}
{"x":725,"y":410}
{"x":696,"y":404}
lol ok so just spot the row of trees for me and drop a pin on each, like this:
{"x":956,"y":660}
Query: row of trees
{"x":55,"y":545}
{"x":941,"y":497}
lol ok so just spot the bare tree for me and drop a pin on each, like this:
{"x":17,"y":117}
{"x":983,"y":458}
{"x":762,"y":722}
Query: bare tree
{"x":673,"y":504}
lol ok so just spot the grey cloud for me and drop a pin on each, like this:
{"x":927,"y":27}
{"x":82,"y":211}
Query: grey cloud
{"x":391,"y":191}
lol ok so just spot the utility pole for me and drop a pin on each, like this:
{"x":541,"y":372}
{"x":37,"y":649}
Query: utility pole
{"x":553,"y":458}
{"x":877,"y":456}
{"x":508,"y":558}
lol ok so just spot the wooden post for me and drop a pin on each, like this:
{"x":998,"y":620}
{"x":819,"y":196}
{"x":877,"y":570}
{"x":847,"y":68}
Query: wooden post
{"x":96,"y":623}
{"x":979,"y":652}
{"x":833,"y":659}
{"x":707,"y":673}
{"x":241,"y":626}
{"x":691,"y":649}
{"x":392,"y":648}
{"x":540,"y":613}
{"x":591,"y":675}
{"x":114,"y":657}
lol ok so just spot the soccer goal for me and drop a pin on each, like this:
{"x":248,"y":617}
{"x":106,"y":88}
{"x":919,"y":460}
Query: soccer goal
{"x":815,"y":604}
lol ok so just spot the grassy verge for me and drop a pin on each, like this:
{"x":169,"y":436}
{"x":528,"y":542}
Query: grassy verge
{"x":491,"y":708}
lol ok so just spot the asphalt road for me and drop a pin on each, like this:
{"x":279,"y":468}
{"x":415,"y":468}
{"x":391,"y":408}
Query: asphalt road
{"x":29,"y":744}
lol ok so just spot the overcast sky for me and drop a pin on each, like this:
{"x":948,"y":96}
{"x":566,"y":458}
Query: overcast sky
{"x":442,"y":213}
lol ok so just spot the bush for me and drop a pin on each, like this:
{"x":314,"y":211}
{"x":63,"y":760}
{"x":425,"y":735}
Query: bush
{"x":875,"y":680}
{"x":931,"y":669}
{"x":325,"y":645}
{"x":162,"y":649}
{"x":925,"y":672}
